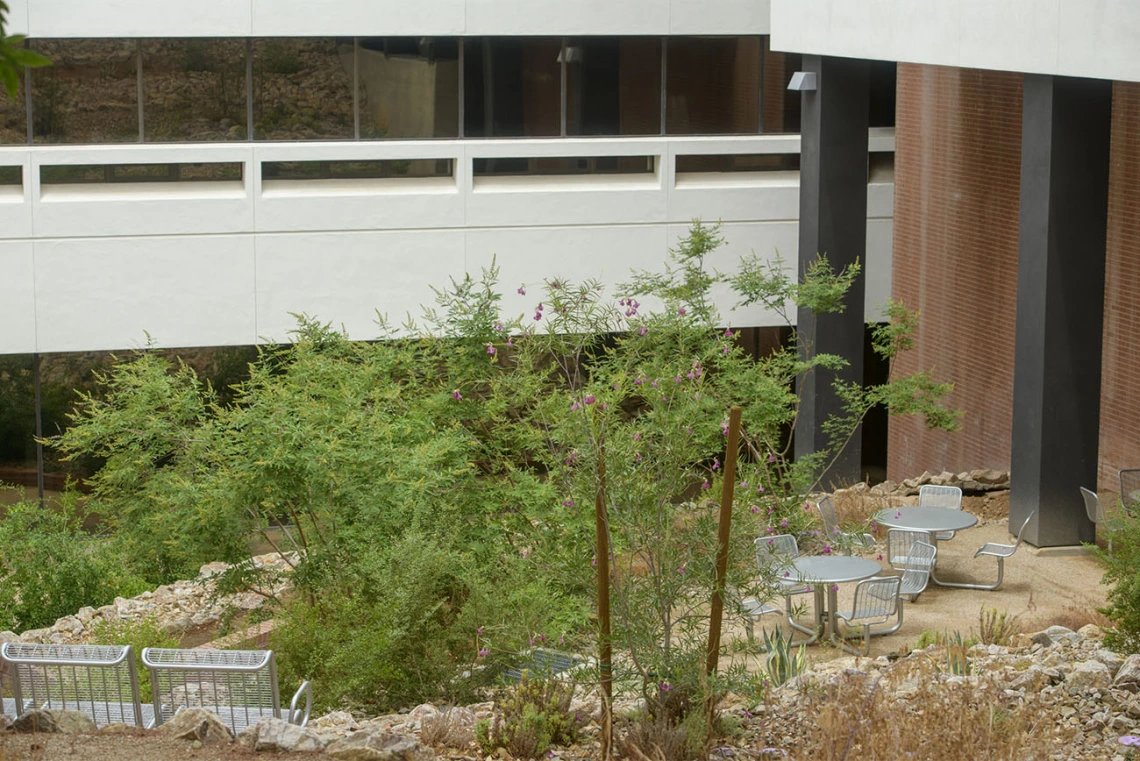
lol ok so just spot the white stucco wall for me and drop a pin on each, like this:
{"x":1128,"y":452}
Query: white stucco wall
{"x":90,"y":267}
{"x":1086,"y":38}
{"x":307,"y":18}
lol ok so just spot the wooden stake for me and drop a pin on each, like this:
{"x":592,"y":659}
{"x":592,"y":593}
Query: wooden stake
{"x":726,"y":495}
{"x":605,"y":651}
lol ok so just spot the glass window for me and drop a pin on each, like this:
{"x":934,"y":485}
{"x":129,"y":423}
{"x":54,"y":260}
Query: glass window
{"x":882,"y":113}
{"x":194,"y":89}
{"x":740,"y":162}
{"x":88,"y":95}
{"x":374,"y":169}
{"x":512,"y":87}
{"x":712,"y":85}
{"x":781,"y":105}
{"x":613,"y":86}
{"x":564,"y":166}
{"x":13,"y":118}
{"x":409,"y":86}
{"x":60,"y":174}
{"x":302,"y":89}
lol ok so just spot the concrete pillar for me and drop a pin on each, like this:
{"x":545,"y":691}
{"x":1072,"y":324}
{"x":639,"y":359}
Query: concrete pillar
{"x":833,"y":221}
{"x":1066,"y":124}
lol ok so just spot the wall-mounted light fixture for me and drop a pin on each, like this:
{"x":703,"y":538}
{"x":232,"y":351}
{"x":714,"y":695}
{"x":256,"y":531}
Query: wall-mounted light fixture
{"x":803,"y":81}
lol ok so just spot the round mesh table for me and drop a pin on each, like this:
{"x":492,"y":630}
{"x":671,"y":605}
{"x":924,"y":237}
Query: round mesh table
{"x":827,"y":571}
{"x":930,"y":519}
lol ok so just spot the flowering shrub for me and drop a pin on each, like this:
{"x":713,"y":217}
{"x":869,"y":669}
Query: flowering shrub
{"x":475,"y":450}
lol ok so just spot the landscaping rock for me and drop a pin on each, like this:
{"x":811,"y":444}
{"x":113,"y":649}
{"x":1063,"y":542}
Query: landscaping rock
{"x":378,"y":746}
{"x":39,"y":720}
{"x":196,"y":724}
{"x":1056,"y":635}
{"x":278,"y":735}
{"x":1128,"y":675}
{"x":1088,"y":675}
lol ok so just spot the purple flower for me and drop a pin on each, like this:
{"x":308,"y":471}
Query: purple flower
{"x":498,"y":327}
{"x":726,"y":350}
{"x":728,"y":332}
{"x":834,"y":587}
{"x":827,"y":549}
{"x":539,"y":306}
{"x":638,"y":458}
{"x":771,"y":530}
{"x":771,"y":457}
{"x":808,"y":588}
{"x":589,"y":399}
{"x":522,"y":290}
{"x":760,"y":489}
{"x":681,"y":311}
{"x":754,"y":509}
{"x":744,"y":484}
{"x":456,"y":395}
{"x":690,"y":375}
{"x":664,"y":397}
{"x":784,"y":523}
{"x":880,"y":558}
{"x":681,"y":570}
{"x":537,"y":316}
{"x":574,"y":406}
{"x":484,"y":652}
{"x":654,"y":384}
{"x":689,"y":430}
{"x":490,"y":350}
{"x":666,"y":687}
{"x":532,"y":641}
{"x":706,"y":485}
{"x":677,"y":379}
{"x":479,"y":631}
{"x":642,"y":330}
{"x":716,"y":463}
{"x":1130,"y":740}
{"x":637,"y":437}
{"x":568,"y":502}
{"x":639,"y":380}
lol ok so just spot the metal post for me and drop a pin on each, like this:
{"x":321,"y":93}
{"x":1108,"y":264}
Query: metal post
{"x":664,"y":80}
{"x":39,"y":429}
{"x":726,"y":495}
{"x":249,"y":88}
{"x":139,"y":88}
{"x":356,"y":88}
{"x":605,"y":647}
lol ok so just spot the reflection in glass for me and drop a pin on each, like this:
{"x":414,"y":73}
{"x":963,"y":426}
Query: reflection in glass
{"x":883,"y":85}
{"x":739,"y":162}
{"x":550,"y":165}
{"x":512,"y":87}
{"x":88,"y":95}
{"x":64,"y":174}
{"x":409,"y":86}
{"x":302,"y":89}
{"x":781,"y":105}
{"x":13,"y":118}
{"x":713,"y":85}
{"x":613,"y":86}
{"x":194,"y":89}
{"x":368,"y":169}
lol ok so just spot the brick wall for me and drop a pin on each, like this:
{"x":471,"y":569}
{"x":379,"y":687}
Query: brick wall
{"x":1120,"y":362}
{"x":957,"y":179}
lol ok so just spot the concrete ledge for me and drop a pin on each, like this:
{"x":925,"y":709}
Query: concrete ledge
{"x":1063,"y":551}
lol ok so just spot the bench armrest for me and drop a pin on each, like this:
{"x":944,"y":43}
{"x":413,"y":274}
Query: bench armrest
{"x":295,"y":715}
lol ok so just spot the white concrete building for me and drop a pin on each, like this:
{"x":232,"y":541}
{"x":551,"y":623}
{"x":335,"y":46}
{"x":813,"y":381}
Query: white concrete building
{"x":199,"y":171}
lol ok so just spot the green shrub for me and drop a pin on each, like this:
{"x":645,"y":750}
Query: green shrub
{"x":138,"y":633}
{"x":532,"y":716}
{"x":50,"y":567}
{"x":784,"y":660}
{"x":1122,"y":574}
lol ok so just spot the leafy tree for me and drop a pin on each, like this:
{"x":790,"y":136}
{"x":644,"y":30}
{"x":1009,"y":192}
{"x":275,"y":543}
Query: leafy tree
{"x":14,"y":57}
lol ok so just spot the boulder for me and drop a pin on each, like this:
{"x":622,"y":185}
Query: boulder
{"x":278,"y":735}
{"x":1056,"y":635}
{"x":1113,"y":660}
{"x":36,"y":720}
{"x":196,"y":724}
{"x":336,"y":720}
{"x":1128,"y":675}
{"x":990,"y":477}
{"x":1088,"y":675}
{"x":378,"y":746}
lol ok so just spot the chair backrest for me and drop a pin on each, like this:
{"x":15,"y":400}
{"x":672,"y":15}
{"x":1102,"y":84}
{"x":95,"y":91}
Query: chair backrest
{"x":899,"y":542}
{"x":916,"y":571}
{"x":830,"y":519}
{"x":240,"y":686}
{"x":1130,"y":489}
{"x":98,"y":680}
{"x":1021,"y":531}
{"x":932,"y":495}
{"x":1092,"y":505}
{"x":876,"y":597}
{"x":775,"y":552}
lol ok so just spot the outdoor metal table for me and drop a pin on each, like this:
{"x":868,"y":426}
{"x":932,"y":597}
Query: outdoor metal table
{"x":827,"y":571}
{"x":930,"y":519}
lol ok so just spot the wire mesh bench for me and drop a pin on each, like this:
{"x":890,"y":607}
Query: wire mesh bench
{"x":240,"y":686}
{"x":97,"y":680}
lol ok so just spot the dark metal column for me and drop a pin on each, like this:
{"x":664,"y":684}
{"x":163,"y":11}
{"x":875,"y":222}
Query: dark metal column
{"x":1066,"y":123}
{"x":833,"y":221}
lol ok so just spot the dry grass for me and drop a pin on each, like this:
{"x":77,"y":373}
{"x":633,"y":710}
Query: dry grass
{"x":1074,"y":617}
{"x":446,"y":730}
{"x":940,"y":718}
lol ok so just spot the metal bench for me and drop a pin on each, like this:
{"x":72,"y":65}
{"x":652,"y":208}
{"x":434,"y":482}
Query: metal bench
{"x":240,"y":686}
{"x":98,"y":680}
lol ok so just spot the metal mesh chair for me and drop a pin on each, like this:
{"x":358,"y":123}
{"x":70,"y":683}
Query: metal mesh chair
{"x":240,"y":686}
{"x":949,"y":497}
{"x":917,"y":569}
{"x":1130,"y":490}
{"x":899,"y":542}
{"x":999,"y":551}
{"x":876,"y":601}
{"x":1095,"y":510}
{"x":773,"y":554}
{"x":98,"y":680}
{"x":831,"y":528}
